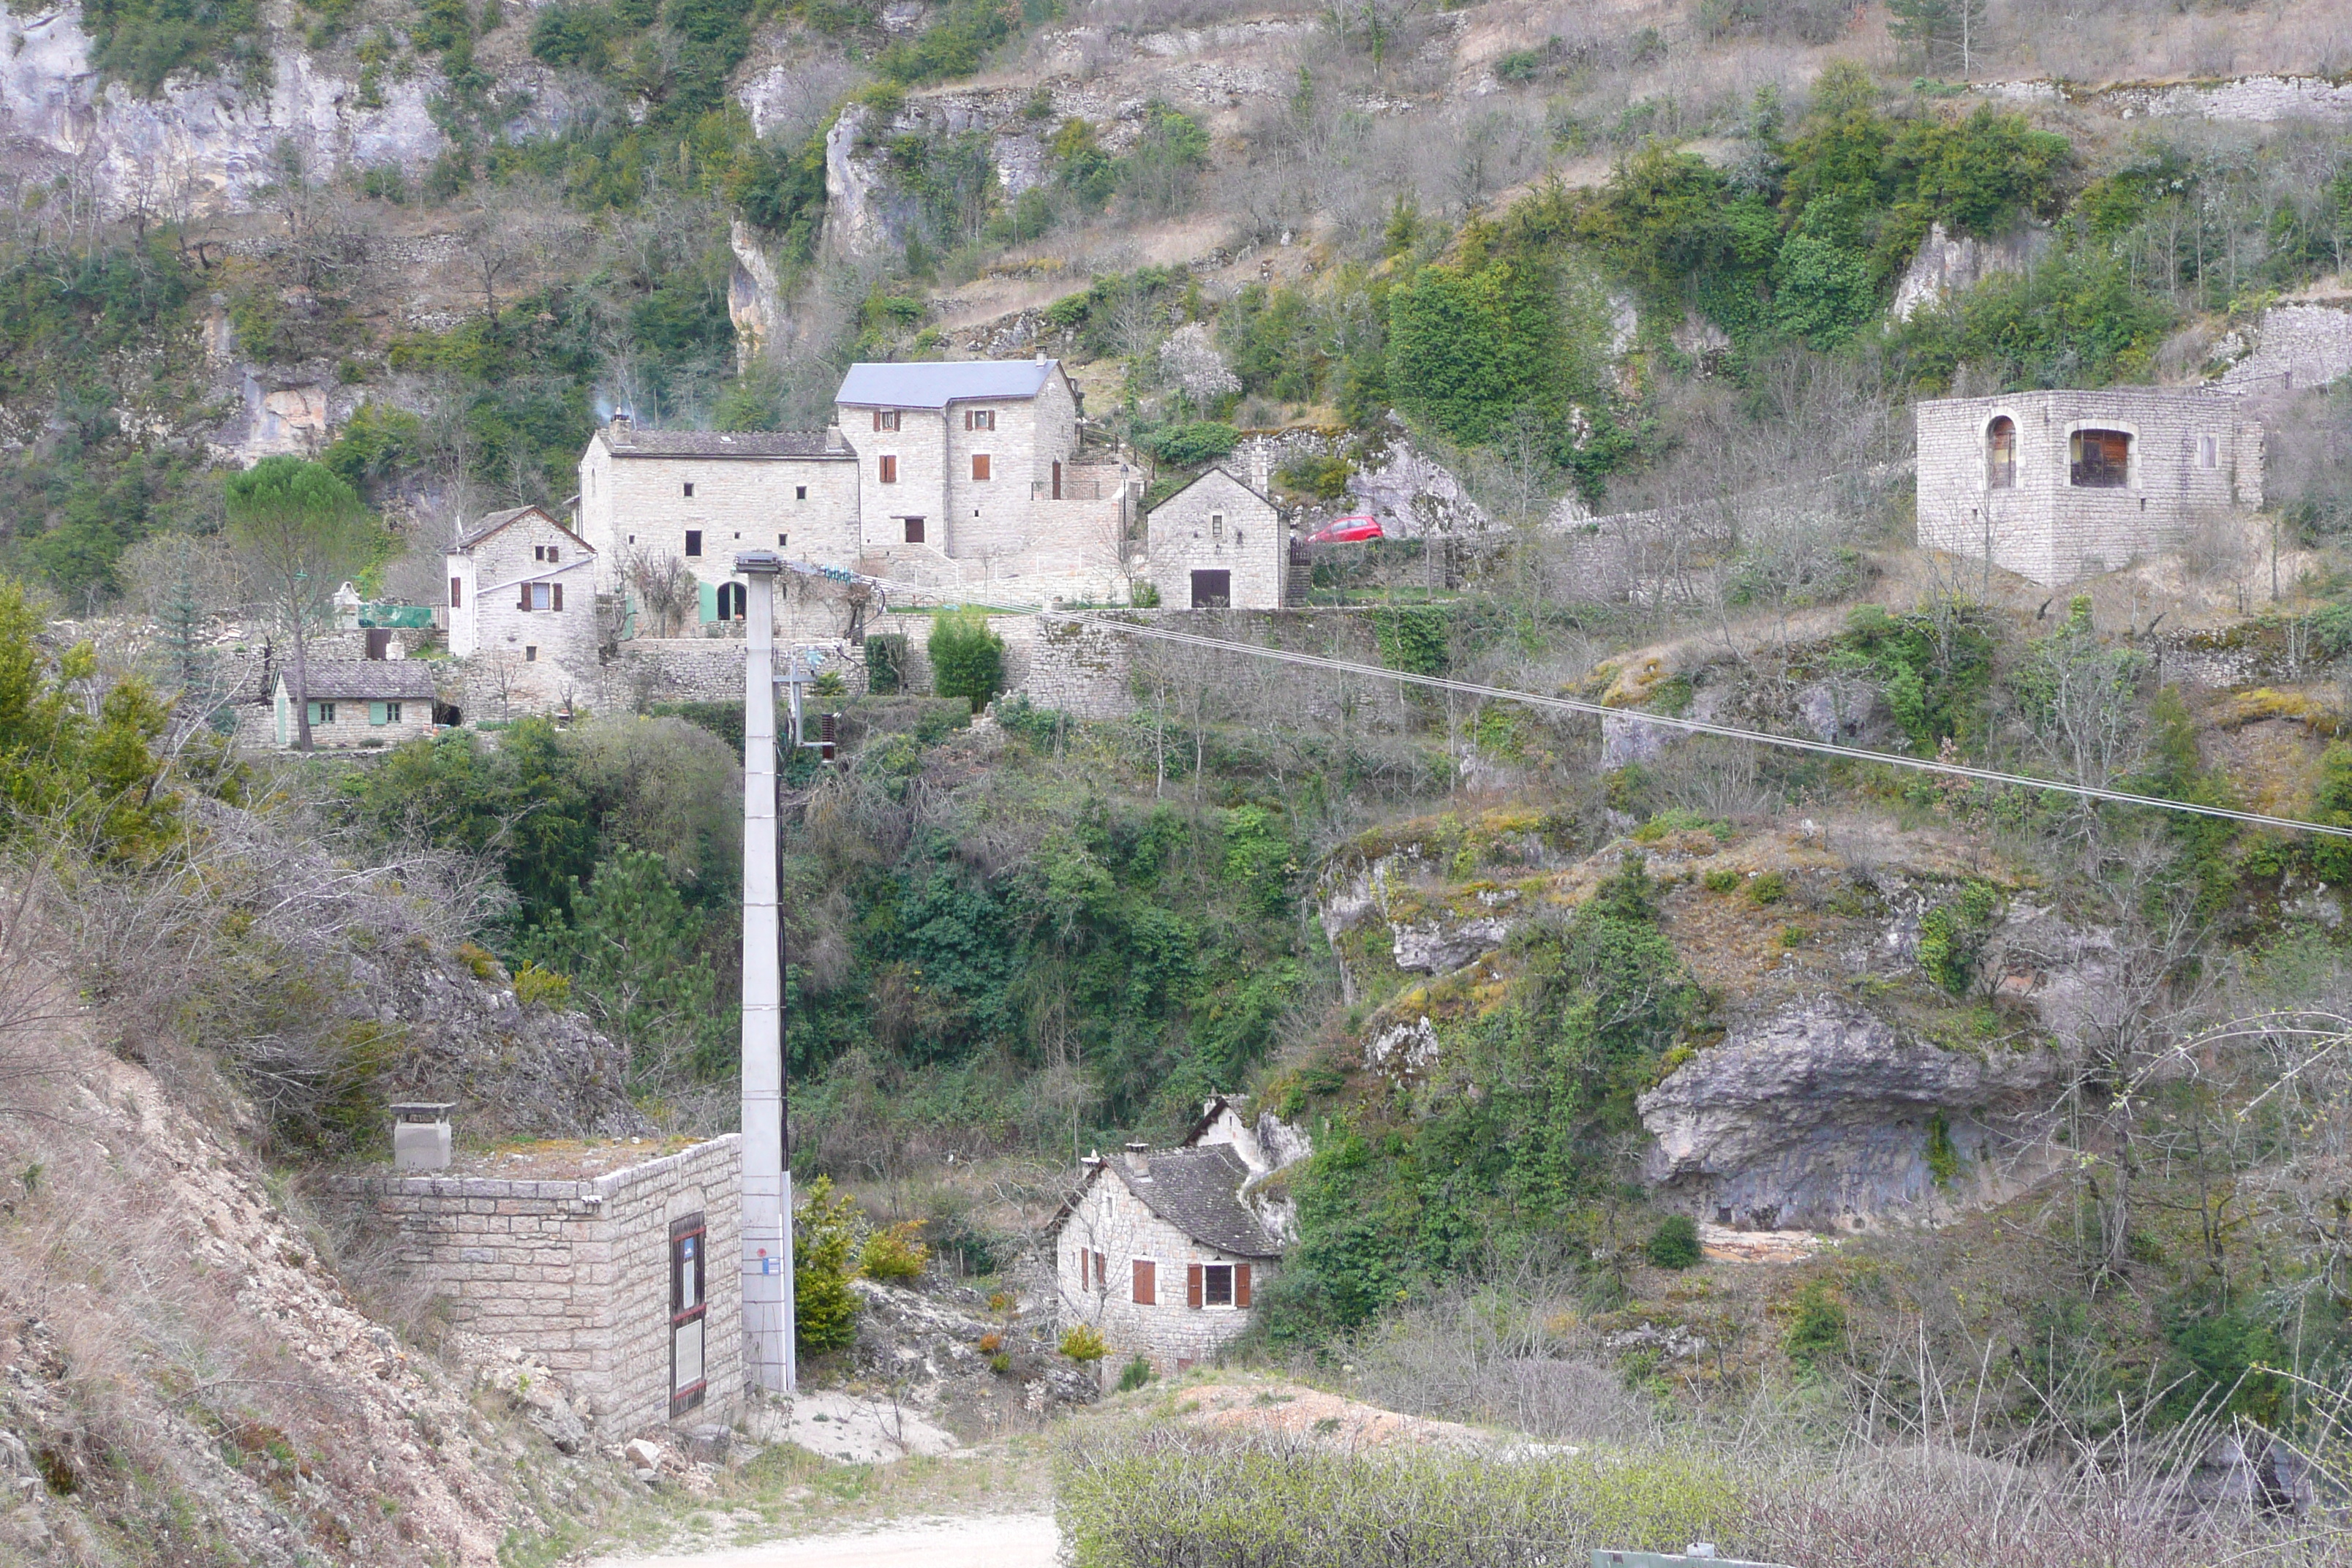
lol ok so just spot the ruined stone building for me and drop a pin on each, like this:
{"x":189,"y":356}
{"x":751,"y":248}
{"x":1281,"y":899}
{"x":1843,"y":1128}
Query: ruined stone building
{"x":2060,"y":486}
{"x":1163,"y":1251}
{"x":937,"y":475}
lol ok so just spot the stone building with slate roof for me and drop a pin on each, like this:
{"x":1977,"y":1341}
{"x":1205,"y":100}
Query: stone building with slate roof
{"x":1163,"y":1251}
{"x":936,"y":474}
{"x":522,"y":603}
{"x":358,"y":702}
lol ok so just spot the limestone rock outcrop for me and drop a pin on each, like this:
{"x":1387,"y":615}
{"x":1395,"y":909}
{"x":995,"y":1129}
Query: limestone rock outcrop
{"x":1825,"y":1116}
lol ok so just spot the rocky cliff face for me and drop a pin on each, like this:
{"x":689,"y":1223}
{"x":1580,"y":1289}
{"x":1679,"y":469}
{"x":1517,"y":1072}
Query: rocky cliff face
{"x":1822,"y":1116}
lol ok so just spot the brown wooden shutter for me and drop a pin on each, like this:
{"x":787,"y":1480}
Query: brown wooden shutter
{"x":1241,"y":1285}
{"x":1147,"y":1283}
{"x":1192,"y":1285}
{"x":980,"y":466}
{"x":889,"y":470}
{"x":556,"y":597}
{"x":877,"y":419}
{"x":1102,"y":1272}
{"x":457,"y":594}
{"x":524,"y":602}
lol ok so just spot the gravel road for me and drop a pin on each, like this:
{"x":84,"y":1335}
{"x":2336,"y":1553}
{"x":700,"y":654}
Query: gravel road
{"x":994,"y":1540}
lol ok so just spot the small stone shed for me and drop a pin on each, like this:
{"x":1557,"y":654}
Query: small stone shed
{"x":1163,"y":1251}
{"x":357,"y":703}
{"x":618,"y":1266}
{"x":1217,"y":544}
{"x":2060,"y":486}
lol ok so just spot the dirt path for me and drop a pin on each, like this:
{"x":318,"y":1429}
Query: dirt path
{"x":998,"y":1540}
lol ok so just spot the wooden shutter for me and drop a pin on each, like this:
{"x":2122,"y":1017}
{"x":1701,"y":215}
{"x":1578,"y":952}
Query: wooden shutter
{"x":1102,"y":1272}
{"x":523,"y":601}
{"x":1192,"y":1285}
{"x":1241,"y":1285}
{"x":980,"y":467}
{"x":555,"y":595}
{"x":889,"y":470}
{"x":457,"y":594}
{"x":1146,"y":1282}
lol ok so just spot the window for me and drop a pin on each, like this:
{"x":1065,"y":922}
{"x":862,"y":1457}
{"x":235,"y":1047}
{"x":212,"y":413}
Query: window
{"x":457,"y":594}
{"x":979,"y":468}
{"x":540,"y":596}
{"x":2099,"y":459}
{"x":538,"y":553}
{"x":694,"y":542}
{"x":2000,"y":454}
{"x":1145,"y":1280}
{"x":1216,"y":528}
{"x":734,"y":599}
{"x":689,"y":489}
{"x":1102,"y":1272}
{"x":781,"y":540}
{"x":800,"y":493}
{"x":886,"y":469}
{"x":383,"y":713}
{"x":322,"y":712}
{"x":1057,"y":478}
{"x":2209,"y":451}
{"x":553,"y":554}
{"x":530,"y":653}
{"x":914,"y":529}
{"x":886,"y":419}
{"x":980,"y":418}
{"x":1212,"y":590}
{"x":1217,"y":1285}
{"x":688,"y":1309}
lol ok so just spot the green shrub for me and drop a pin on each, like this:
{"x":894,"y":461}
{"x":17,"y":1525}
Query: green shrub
{"x":885,"y":663}
{"x":895,"y":1252}
{"x":1675,"y":1244}
{"x":1818,"y":1331}
{"x":967,"y":657}
{"x":1943,"y":1155}
{"x":1719,"y":882}
{"x":1134,"y":1374}
{"x":1145,"y":596}
{"x":1191,"y":446}
{"x":1952,"y":935}
{"x":1085,"y":1345}
{"x":534,"y":986}
{"x":825,"y":1240}
{"x":1767,"y":888}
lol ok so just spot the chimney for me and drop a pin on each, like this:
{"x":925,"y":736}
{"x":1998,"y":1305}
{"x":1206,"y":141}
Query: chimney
{"x":420,"y":1135}
{"x":620,"y":423}
{"x":833,"y":442}
{"x":1041,"y":356}
{"x":1138,"y":1161}
{"x":1260,"y":463}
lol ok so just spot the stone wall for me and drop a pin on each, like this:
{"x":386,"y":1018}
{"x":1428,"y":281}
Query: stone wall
{"x":1168,"y":1333}
{"x":2296,"y":347}
{"x":635,"y":507}
{"x":577,"y":1272}
{"x":1218,"y":523}
{"x":2046,"y":528}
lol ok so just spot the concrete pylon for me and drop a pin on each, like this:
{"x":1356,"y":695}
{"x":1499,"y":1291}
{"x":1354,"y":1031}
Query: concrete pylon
{"x":768,"y":1337}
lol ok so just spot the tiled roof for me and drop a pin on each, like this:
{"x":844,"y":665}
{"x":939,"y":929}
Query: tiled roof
{"x":937,"y":384}
{"x":363,"y":680}
{"x":1199,"y":1191}
{"x":628,"y":441}
{"x":493,"y":522}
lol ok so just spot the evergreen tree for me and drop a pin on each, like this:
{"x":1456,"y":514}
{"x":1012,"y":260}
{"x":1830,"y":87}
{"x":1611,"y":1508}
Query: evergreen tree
{"x":1940,"y":35}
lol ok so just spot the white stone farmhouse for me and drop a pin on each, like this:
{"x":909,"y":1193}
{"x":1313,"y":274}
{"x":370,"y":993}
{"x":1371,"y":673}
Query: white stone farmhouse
{"x":934,"y":474}
{"x":522,"y":591}
{"x":1219,"y":543}
{"x":1163,"y":1251}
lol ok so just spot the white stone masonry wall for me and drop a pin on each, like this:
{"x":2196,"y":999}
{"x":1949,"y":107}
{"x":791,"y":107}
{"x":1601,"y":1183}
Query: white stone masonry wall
{"x":1170,"y":1332}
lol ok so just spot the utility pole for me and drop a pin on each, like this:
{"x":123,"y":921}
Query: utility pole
{"x":768,"y":1316}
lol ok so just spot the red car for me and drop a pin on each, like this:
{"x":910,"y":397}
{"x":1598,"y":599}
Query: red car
{"x":1347,"y":530}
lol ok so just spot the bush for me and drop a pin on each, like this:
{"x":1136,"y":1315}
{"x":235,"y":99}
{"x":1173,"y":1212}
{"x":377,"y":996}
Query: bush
{"x":1768,"y":889}
{"x":1085,"y":1345}
{"x":886,"y":664}
{"x":1818,"y":1331}
{"x":824,"y":1237}
{"x":1675,"y":1244}
{"x":534,"y":986}
{"x":1191,"y":446}
{"x":1145,"y":596}
{"x":1134,"y":1374}
{"x":895,"y":1252}
{"x":967,"y":657}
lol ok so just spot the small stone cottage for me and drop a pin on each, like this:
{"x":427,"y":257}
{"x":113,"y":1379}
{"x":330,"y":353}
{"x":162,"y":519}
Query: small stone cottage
{"x":1217,"y":544}
{"x":358,"y":702}
{"x":522,"y":596}
{"x":1163,"y":1251}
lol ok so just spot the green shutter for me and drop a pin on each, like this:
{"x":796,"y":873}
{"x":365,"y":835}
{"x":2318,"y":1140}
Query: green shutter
{"x":378,"y":715}
{"x":315,"y":719}
{"x":710,"y":594}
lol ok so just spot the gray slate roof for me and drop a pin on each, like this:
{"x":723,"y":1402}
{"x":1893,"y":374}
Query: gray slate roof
{"x":493,"y":522}
{"x":364,"y":680}
{"x":937,"y":384}
{"x":632,"y":442}
{"x":1199,"y":1191}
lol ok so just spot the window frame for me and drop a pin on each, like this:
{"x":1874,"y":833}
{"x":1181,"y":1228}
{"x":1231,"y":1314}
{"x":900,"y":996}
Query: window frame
{"x":322,"y":712}
{"x":886,"y":419}
{"x":456,"y":593}
{"x":914,"y":529}
{"x":690,"y":1243}
{"x":2001,"y":457}
{"x":1143,"y":1281}
{"x":886,"y":467}
{"x":687,"y":491}
{"x":981,"y":468}
{"x":2208,"y":453}
{"x":694,"y":545}
{"x":2076,"y":469}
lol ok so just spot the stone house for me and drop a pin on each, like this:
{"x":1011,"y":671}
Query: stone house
{"x":522,"y":594}
{"x":628,"y":1284}
{"x":1163,"y":1251}
{"x":932,"y":474}
{"x":1219,"y":543}
{"x":357,"y":703}
{"x":2060,"y":486}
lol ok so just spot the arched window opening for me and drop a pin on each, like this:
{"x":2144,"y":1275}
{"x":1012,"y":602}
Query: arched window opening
{"x":734,"y":601}
{"x":2000,"y":454}
{"x":2099,"y":459}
